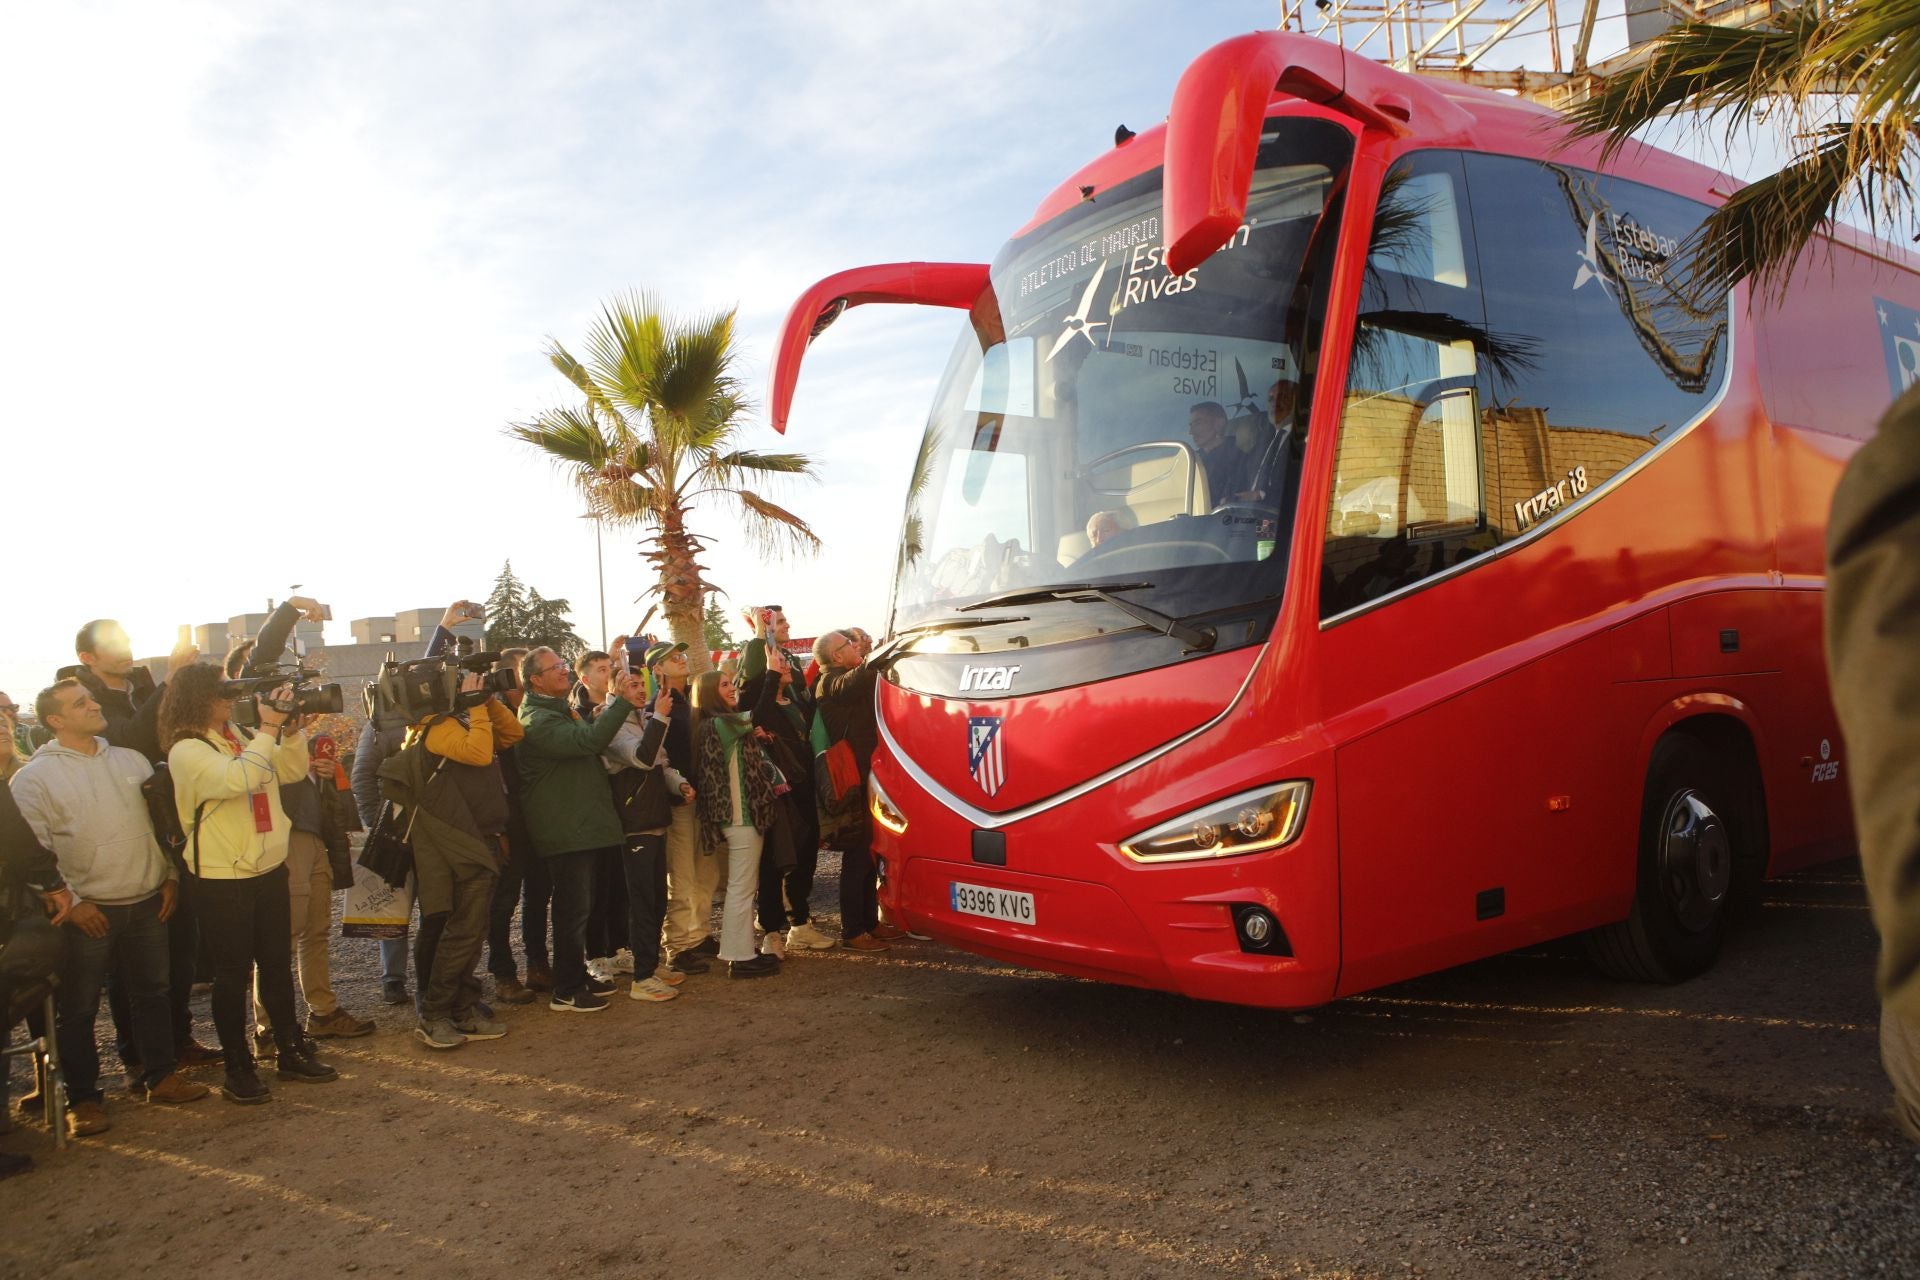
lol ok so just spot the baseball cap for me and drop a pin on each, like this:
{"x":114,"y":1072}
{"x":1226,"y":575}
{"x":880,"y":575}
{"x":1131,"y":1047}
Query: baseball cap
{"x":659,"y":653}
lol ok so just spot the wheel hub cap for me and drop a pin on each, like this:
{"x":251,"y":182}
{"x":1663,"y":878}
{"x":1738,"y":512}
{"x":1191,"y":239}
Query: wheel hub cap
{"x":1696,"y":860}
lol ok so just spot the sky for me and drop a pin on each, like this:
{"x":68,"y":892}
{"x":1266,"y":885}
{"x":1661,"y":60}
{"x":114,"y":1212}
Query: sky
{"x":276,"y":277}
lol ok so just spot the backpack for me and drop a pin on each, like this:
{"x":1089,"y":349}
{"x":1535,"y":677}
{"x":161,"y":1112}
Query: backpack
{"x":157,"y":791}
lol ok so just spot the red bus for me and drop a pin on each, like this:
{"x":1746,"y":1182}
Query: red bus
{"x":1344,"y":545}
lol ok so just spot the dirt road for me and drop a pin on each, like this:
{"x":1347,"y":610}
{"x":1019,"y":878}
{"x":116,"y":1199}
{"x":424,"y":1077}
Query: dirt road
{"x":927,"y":1114}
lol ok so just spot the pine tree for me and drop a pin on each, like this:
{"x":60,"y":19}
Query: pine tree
{"x":547,"y":624}
{"x":715,"y":623}
{"x":506,"y":610}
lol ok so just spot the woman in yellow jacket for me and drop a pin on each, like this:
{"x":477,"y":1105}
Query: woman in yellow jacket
{"x":226,"y":786}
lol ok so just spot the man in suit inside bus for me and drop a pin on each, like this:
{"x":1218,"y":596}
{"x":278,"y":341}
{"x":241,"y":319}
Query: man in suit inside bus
{"x":1226,"y":467}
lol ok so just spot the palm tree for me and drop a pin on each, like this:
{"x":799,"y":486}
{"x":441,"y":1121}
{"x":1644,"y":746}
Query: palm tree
{"x":1845,"y":74}
{"x":655,"y":433}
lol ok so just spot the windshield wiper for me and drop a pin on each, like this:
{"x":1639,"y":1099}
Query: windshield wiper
{"x":895,"y":647}
{"x":1197,"y":639}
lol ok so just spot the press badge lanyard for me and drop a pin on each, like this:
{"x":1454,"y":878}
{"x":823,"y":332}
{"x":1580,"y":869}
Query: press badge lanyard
{"x":262,"y":808}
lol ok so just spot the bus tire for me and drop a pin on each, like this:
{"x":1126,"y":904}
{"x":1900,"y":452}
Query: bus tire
{"x":1690,"y":827}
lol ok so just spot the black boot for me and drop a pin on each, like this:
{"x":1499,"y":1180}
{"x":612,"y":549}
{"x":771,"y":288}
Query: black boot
{"x":243,"y":1085}
{"x":297,"y":1062}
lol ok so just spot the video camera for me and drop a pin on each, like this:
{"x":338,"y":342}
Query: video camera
{"x":309,"y":698}
{"x":408,"y":692}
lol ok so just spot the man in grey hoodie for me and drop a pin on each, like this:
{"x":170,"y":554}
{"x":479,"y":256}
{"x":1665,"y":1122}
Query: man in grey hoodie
{"x":81,"y":795}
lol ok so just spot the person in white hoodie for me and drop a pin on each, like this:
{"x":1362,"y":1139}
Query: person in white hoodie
{"x":81,"y":795}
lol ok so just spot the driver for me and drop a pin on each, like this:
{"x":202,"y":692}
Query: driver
{"x":1106,"y":524}
{"x":1228,"y":470}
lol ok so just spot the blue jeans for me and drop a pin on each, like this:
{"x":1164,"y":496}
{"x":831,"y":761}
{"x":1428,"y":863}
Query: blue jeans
{"x":573,"y":876}
{"x":393,"y":959}
{"x":136,"y":946}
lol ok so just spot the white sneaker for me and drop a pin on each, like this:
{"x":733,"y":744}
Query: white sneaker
{"x":600,"y":969}
{"x":620,"y":962}
{"x":651,"y":989}
{"x":808,"y":938}
{"x":774,"y":945}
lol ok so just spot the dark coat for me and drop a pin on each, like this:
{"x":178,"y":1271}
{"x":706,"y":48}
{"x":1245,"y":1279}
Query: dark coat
{"x":133,"y":713}
{"x":845,"y":698}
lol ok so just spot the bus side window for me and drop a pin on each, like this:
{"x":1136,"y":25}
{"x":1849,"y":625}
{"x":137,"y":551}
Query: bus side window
{"x":1409,"y":486}
{"x":1587,"y":277}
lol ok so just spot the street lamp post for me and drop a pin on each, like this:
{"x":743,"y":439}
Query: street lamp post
{"x":600,"y":569}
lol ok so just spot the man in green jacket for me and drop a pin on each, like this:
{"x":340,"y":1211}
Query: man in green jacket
{"x":569,"y":809}
{"x":1873,"y":648}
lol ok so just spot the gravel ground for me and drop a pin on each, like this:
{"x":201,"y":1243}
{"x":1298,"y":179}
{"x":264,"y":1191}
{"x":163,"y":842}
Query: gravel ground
{"x":927,"y":1113}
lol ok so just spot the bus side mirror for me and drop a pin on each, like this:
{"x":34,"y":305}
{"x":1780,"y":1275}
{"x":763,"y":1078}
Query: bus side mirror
{"x":928,"y":284}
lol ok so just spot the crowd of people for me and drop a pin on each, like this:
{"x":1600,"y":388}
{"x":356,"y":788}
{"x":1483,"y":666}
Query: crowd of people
{"x":153,"y":835}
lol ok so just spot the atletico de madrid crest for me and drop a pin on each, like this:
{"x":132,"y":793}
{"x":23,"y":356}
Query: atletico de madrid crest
{"x":984,"y":757}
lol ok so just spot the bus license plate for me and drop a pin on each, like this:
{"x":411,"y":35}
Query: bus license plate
{"x":994,"y":904}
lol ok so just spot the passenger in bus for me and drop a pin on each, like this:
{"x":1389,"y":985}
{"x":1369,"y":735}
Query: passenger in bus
{"x":1274,"y":468}
{"x":1228,"y":475}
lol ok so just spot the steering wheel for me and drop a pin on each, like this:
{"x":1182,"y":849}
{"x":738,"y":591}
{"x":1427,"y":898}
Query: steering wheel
{"x":1193,"y":550}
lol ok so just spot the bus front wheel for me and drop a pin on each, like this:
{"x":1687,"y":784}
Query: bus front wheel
{"x":1684,"y":880}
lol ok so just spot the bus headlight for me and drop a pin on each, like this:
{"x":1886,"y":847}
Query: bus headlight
{"x":883,"y":809}
{"x":1251,"y":822}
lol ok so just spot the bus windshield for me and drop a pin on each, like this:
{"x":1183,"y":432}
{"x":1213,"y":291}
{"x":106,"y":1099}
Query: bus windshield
{"x":1103,"y":420}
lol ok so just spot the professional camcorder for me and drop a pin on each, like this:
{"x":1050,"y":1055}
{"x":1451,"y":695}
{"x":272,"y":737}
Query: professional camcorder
{"x":412,"y":691}
{"x":307,"y":697}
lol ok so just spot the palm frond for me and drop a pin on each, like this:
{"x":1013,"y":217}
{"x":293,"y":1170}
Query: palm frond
{"x":1882,"y":37}
{"x":573,"y":371}
{"x":567,"y":436}
{"x":770,"y":527}
{"x":725,"y":467}
{"x":1764,"y":227}
{"x":624,"y":347}
{"x":1716,"y":71}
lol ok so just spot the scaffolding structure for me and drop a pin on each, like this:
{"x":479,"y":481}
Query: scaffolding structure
{"x":1552,"y":51}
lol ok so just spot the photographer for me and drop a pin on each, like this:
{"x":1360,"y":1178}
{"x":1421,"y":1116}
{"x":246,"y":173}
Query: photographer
{"x":310,"y":902}
{"x":127,"y":695}
{"x":693,"y":872}
{"x":226,"y":788}
{"x":785,"y":911}
{"x":377,"y":744}
{"x":845,"y":692}
{"x":524,"y":872}
{"x":608,"y":953}
{"x":458,"y":828}
{"x":645,"y":789}
{"x":569,"y":810}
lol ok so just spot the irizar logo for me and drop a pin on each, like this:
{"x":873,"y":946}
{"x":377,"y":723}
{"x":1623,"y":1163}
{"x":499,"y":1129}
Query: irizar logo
{"x":987,"y":679}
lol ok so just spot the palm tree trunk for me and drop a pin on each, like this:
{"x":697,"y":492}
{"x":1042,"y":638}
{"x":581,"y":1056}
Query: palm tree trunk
{"x":682,"y":589}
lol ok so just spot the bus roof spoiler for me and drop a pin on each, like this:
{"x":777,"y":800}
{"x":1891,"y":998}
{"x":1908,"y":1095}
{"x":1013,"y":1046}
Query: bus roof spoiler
{"x":1213,"y":132}
{"x":927,"y":284}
